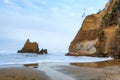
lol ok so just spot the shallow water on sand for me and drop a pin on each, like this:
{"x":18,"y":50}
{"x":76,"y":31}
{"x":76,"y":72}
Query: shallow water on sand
{"x":101,"y":64}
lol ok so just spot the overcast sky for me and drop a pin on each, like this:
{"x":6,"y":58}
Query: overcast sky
{"x":51,"y":23}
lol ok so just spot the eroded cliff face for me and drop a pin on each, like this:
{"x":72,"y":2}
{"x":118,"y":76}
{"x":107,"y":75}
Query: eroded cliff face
{"x":99,"y":34}
{"x":109,"y":43}
{"x":84,"y":42}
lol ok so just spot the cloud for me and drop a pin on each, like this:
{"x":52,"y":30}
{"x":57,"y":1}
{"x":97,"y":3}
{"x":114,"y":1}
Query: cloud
{"x":53,"y":23}
{"x":31,"y":4}
{"x":8,"y":2}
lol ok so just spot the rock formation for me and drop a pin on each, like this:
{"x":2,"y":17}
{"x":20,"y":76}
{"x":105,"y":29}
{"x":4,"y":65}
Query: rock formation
{"x":99,"y":34}
{"x":43,"y":51}
{"x":32,"y":47}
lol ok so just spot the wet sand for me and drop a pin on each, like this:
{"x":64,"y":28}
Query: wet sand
{"x":91,"y":73}
{"x":101,"y":64}
{"x":22,"y":73}
{"x":106,"y":70}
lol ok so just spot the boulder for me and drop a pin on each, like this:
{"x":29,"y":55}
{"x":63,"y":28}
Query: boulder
{"x":43,"y":51}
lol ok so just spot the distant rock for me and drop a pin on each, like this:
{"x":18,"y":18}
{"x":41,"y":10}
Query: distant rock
{"x":32,"y":47}
{"x":43,"y":51}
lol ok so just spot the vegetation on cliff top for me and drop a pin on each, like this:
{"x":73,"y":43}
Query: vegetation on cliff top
{"x":111,"y":17}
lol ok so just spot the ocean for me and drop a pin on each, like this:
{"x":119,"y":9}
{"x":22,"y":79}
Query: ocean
{"x":12,"y":57}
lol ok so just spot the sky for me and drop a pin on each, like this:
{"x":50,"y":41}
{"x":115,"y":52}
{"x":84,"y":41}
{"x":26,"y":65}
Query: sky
{"x":51,"y":23}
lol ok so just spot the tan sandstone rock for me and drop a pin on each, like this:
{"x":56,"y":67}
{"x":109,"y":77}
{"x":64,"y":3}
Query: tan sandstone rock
{"x":99,"y":34}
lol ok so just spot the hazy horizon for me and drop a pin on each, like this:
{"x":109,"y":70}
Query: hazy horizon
{"x":51,"y":23}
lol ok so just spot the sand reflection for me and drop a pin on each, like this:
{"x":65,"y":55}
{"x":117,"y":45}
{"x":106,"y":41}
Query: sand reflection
{"x":98,"y":64}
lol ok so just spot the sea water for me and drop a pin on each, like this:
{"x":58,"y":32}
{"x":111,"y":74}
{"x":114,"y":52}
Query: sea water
{"x":12,"y":57}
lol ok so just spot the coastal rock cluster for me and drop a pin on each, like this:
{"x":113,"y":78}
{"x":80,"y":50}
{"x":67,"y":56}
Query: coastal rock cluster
{"x":99,"y":34}
{"x":32,"y":47}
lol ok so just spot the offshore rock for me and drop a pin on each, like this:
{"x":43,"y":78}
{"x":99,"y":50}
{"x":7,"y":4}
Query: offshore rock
{"x":32,"y":47}
{"x":43,"y":51}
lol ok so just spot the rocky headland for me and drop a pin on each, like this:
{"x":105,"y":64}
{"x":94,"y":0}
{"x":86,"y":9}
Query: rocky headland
{"x":99,"y":34}
{"x":32,"y":47}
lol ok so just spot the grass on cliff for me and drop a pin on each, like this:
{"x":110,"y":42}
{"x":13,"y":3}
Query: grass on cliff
{"x":110,"y":18}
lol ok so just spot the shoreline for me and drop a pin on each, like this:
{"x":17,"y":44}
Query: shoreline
{"x":63,"y":71}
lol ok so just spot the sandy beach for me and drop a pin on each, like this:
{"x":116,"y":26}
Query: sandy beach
{"x":106,"y":70}
{"x":22,"y":73}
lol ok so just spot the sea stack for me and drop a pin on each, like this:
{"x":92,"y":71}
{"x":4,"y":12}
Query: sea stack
{"x":31,"y":47}
{"x":99,"y":34}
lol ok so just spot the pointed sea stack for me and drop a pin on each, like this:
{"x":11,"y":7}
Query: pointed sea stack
{"x":32,"y":47}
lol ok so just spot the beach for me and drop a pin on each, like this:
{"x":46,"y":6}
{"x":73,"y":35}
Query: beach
{"x":63,"y":71}
{"x":22,"y":73}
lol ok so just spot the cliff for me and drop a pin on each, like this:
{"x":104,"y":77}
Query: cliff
{"x":31,"y":47}
{"x":99,"y":34}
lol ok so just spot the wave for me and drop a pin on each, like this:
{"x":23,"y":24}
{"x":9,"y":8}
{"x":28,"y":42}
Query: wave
{"x":8,"y":52}
{"x":12,"y":57}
